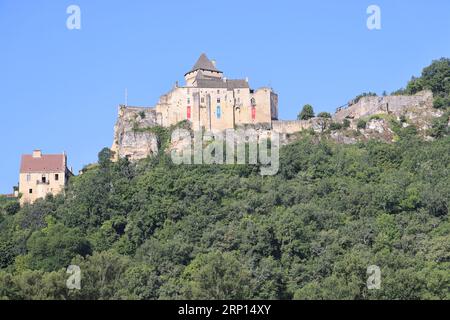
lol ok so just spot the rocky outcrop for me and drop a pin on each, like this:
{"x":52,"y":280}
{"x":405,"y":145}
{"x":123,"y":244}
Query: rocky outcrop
{"x":132,"y":137}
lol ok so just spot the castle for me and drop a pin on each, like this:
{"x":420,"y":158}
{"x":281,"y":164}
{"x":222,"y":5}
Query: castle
{"x":211,"y":101}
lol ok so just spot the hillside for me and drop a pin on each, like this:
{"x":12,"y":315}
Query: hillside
{"x":150,"y":229}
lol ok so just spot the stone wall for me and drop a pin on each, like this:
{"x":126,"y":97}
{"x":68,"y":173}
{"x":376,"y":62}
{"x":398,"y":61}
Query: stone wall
{"x":368,"y":106}
{"x":293,"y":126}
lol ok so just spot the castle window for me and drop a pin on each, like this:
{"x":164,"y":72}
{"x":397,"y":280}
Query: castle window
{"x":218,"y":91}
{"x":28,"y":177}
{"x":44,"y":179}
{"x":30,"y":191}
{"x":188,"y":100}
{"x":56,"y":177}
{"x":202,"y":100}
{"x":218,"y":112}
{"x":218,"y":100}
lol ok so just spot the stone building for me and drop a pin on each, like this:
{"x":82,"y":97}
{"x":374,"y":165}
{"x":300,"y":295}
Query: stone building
{"x":211,"y":101}
{"x":41,"y":175}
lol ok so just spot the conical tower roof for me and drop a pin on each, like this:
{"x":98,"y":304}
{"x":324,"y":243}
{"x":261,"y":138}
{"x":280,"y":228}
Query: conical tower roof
{"x":203,"y":63}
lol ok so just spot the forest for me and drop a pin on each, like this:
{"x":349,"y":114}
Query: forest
{"x":155,"y":230}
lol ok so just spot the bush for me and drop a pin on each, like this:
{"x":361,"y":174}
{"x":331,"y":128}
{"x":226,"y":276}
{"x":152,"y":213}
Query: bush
{"x":346,"y":124}
{"x":441,"y":103}
{"x":362,"y":124}
{"x":325,"y":115}
{"x":336,"y":126}
{"x":440,"y":127}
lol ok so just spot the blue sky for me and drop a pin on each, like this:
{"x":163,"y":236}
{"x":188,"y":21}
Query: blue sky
{"x":60,"y":88}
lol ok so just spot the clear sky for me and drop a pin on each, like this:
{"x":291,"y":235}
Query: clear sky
{"x":60,"y":88}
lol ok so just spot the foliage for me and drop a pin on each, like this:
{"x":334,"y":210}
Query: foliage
{"x":153,"y":230}
{"x":435,"y":77}
{"x":336,"y":126}
{"x":361,"y":124}
{"x":346,"y":124}
{"x":325,"y":115}
{"x":306,"y":113}
{"x":440,"y":127}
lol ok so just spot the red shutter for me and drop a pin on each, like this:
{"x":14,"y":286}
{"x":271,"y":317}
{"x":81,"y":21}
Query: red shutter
{"x":189,"y":113}
{"x":253,"y":113}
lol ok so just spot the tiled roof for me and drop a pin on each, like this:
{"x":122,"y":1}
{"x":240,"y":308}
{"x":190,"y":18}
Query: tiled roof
{"x":203,"y":63}
{"x":219,"y":83}
{"x":45,"y":163}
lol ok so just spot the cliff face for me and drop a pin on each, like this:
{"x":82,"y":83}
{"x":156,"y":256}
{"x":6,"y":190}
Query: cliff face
{"x":132,"y":139}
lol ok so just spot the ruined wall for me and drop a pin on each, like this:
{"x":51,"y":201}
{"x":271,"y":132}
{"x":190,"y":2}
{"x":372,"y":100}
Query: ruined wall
{"x":293,"y":126}
{"x":397,"y":105}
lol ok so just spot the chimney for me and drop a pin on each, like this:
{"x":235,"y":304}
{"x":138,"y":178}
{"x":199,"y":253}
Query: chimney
{"x":37,"y":154}
{"x":214,"y":62}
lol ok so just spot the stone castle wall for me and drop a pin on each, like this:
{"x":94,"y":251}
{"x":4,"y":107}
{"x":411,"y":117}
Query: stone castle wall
{"x":368,"y":106}
{"x":133,"y":139}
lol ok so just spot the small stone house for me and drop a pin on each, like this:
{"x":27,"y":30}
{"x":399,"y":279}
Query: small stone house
{"x":41,"y":175}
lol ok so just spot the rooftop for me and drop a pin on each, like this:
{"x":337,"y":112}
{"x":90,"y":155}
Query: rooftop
{"x":203,"y":63}
{"x":38,"y":162}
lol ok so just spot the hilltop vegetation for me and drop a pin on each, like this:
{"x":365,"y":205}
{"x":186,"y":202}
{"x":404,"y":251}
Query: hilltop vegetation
{"x":436,"y":78}
{"x":159,"y":231}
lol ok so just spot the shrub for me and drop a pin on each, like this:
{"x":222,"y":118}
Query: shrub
{"x":361,"y":124}
{"x":336,"y":126}
{"x":346,"y":124}
{"x":325,"y":115}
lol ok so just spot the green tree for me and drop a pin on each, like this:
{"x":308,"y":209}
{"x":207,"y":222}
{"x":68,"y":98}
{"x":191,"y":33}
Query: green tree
{"x":217,"y":276}
{"x":54,"y":246}
{"x":306,"y":113}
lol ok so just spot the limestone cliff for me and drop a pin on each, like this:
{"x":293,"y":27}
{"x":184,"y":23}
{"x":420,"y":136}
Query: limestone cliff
{"x":132,"y":139}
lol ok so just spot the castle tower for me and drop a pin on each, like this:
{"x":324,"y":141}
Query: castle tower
{"x":203,"y":69}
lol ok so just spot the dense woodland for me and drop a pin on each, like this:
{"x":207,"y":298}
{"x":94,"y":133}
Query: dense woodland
{"x":154,"y":230}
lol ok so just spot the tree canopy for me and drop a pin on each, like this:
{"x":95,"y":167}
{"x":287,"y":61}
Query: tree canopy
{"x":153,"y":230}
